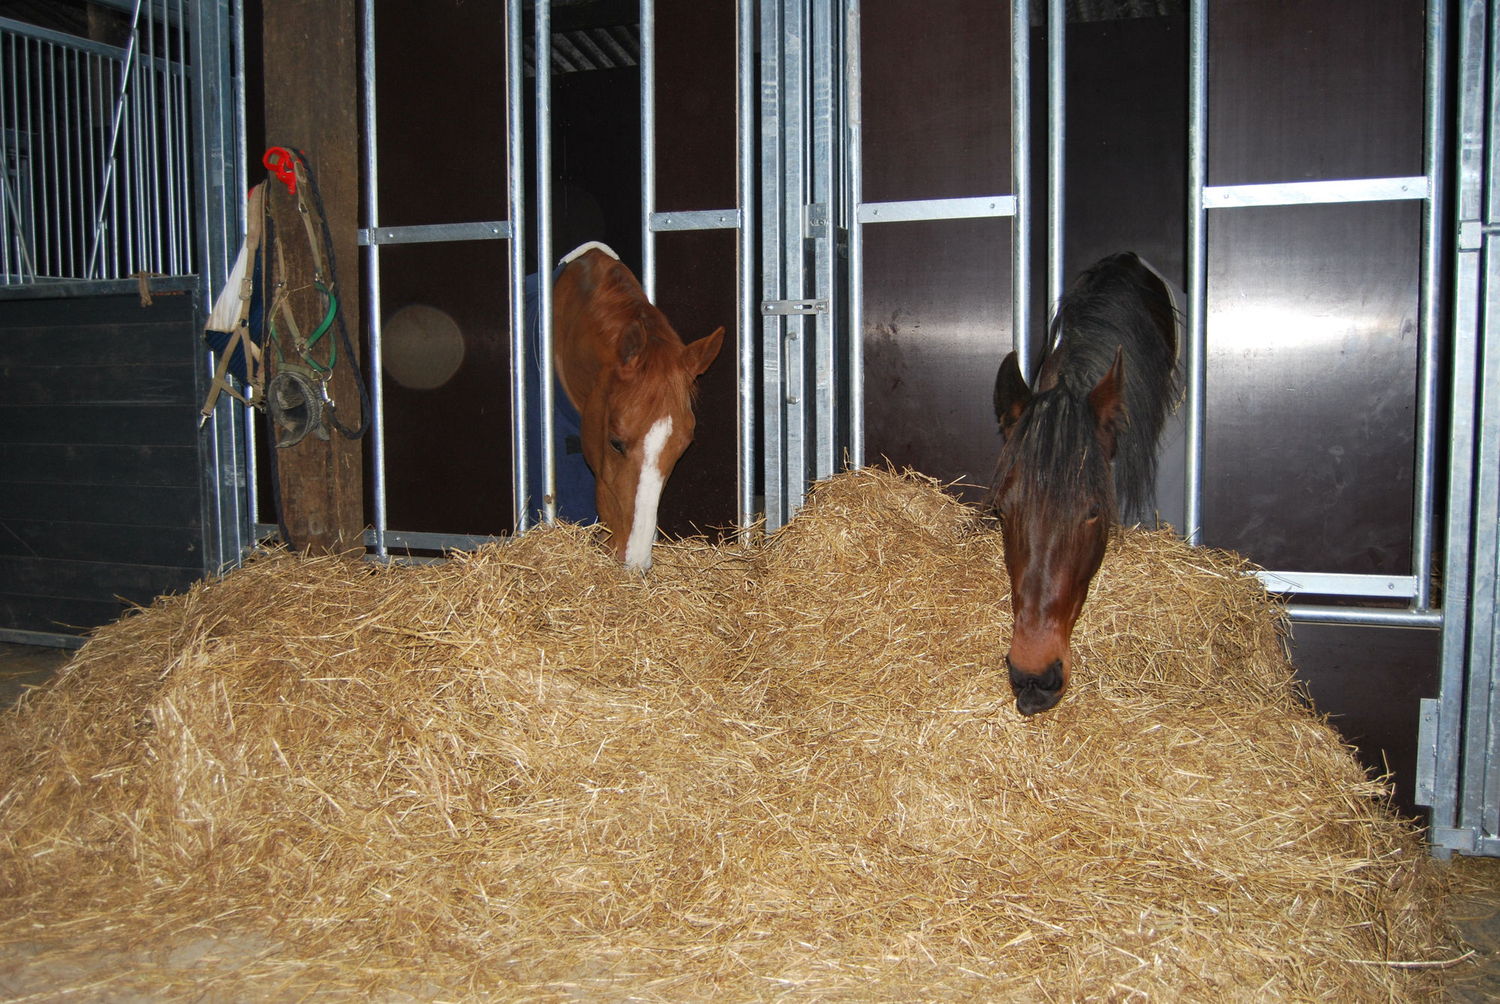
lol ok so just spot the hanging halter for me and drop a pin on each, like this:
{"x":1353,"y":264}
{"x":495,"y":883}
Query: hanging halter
{"x":298,"y":397}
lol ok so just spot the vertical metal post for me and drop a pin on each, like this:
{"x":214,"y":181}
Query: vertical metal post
{"x":779,"y":94}
{"x":1020,"y":158}
{"x":374,"y":364}
{"x":746,"y":120}
{"x":515,"y":189}
{"x":1057,"y":124}
{"x":542,"y":45}
{"x":1197,"y":249}
{"x":1446,"y":716}
{"x":824,"y":41}
{"x":228,"y":471}
{"x":648,"y":146}
{"x":1480,"y":794}
{"x":114,"y":136}
{"x":1430,"y":304}
{"x":854,"y":143}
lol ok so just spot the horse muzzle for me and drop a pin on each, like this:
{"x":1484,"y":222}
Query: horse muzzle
{"x":1037,"y":692}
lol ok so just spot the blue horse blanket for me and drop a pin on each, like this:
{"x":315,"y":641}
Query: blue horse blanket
{"x":575,"y":482}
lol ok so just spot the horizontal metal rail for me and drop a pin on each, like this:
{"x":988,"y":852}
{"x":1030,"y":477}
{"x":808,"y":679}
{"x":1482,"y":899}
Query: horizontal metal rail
{"x":696,"y":219}
{"x":973,"y":208}
{"x":496,"y":230}
{"x":1315,"y":193}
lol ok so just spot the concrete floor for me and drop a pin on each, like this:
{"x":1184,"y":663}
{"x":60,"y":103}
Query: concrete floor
{"x":1476,"y":911}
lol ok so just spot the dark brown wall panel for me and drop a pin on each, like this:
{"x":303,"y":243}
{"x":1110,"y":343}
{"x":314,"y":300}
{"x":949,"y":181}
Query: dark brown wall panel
{"x":100,"y":493}
{"x":936,"y":100}
{"x":1314,"y":91}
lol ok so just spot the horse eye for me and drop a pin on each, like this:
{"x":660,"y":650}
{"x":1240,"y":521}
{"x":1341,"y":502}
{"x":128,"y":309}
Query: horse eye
{"x":1093,"y":514}
{"x":618,"y":445}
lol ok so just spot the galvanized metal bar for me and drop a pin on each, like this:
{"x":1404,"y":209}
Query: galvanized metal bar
{"x":1481,"y":736}
{"x":150,"y":170}
{"x":419,"y":540}
{"x":1316,"y":193}
{"x":542,"y":45}
{"x":26,"y":124}
{"x":229,"y":149}
{"x":1396,"y":587}
{"x":979,"y":207}
{"x":114,"y":137}
{"x":227,"y":457}
{"x":58,"y":240}
{"x":1020,"y":159}
{"x":370,"y":154}
{"x":795,"y":164}
{"x":1429,"y":304}
{"x":1467,"y":340}
{"x":697,"y":219}
{"x":1484,"y":674}
{"x":746,"y":119}
{"x":515,"y":192}
{"x":71,"y":162}
{"x":1057,"y":123}
{"x":181,"y":235}
{"x":854,"y":144}
{"x":1365,"y":616}
{"x":491,"y":230}
{"x":26,"y":30}
{"x":42,"y":639}
{"x":825,"y":37}
{"x":1197,"y":278}
{"x":7,"y":195}
{"x":775,"y":107}
{"x":648,"y":145}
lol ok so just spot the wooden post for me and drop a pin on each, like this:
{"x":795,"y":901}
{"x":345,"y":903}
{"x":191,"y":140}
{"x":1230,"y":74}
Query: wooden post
{"x":311,"y":50}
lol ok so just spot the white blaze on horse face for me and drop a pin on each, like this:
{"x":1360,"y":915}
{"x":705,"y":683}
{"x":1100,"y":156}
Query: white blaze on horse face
{"x":647,"y":496}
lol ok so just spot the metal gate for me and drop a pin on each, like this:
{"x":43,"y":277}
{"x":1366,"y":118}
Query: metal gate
{"x":1459,"y":769}
{"x":827,"y":226}
{"x":818,"y":393}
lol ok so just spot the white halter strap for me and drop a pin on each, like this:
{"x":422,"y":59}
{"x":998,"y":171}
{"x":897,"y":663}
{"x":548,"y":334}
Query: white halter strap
{"x":583,"y":249}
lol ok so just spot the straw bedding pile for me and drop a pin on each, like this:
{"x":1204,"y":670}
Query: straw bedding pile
{"x":785,"y":771}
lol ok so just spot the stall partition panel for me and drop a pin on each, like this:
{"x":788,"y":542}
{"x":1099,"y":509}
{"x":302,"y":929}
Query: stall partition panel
{"x":461,"y":128}
{"x":442,"y":299}
{"x":1313,"y":298}
{"x":696,"y":231}
{"x":935,"y":226}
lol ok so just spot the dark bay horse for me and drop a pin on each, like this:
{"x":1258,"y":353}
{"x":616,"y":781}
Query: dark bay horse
{"x":632,"y":381}
{"x":1079,"y":456}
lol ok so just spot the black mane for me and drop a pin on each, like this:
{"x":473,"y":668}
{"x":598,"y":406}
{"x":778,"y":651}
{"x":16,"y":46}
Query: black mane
{"x":1117,"y":304}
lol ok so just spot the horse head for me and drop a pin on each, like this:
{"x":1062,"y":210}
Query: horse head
{"x":637,"y":422}
{"x":633,"y":381}
{"x":1055,"y":495}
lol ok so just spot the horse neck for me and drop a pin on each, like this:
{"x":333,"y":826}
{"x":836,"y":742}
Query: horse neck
{"x":1075,"y":370}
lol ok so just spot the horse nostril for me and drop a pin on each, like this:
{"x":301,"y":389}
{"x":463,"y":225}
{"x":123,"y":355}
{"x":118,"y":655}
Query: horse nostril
{"x":1036,"y":691}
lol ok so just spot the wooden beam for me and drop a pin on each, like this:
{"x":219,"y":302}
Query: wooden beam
{"x":312,"y":105}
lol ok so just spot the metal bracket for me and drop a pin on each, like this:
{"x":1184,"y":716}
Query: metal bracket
{"x":1464,"y":839}
{"x":1471,"y":234}
{"x":817,"y":220}
{"x":1427,"y":727}
{"x":770,"y":307}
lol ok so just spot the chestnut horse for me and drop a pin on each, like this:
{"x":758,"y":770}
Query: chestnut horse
{"x":632,"y":381}
{"x":1079,"y":455}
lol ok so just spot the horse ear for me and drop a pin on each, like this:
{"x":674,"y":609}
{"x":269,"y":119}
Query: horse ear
{"x":698,"y":356}
{"x":631,"y":341}
{"x":1107,"y":401}
{"x":1011,"y":393}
